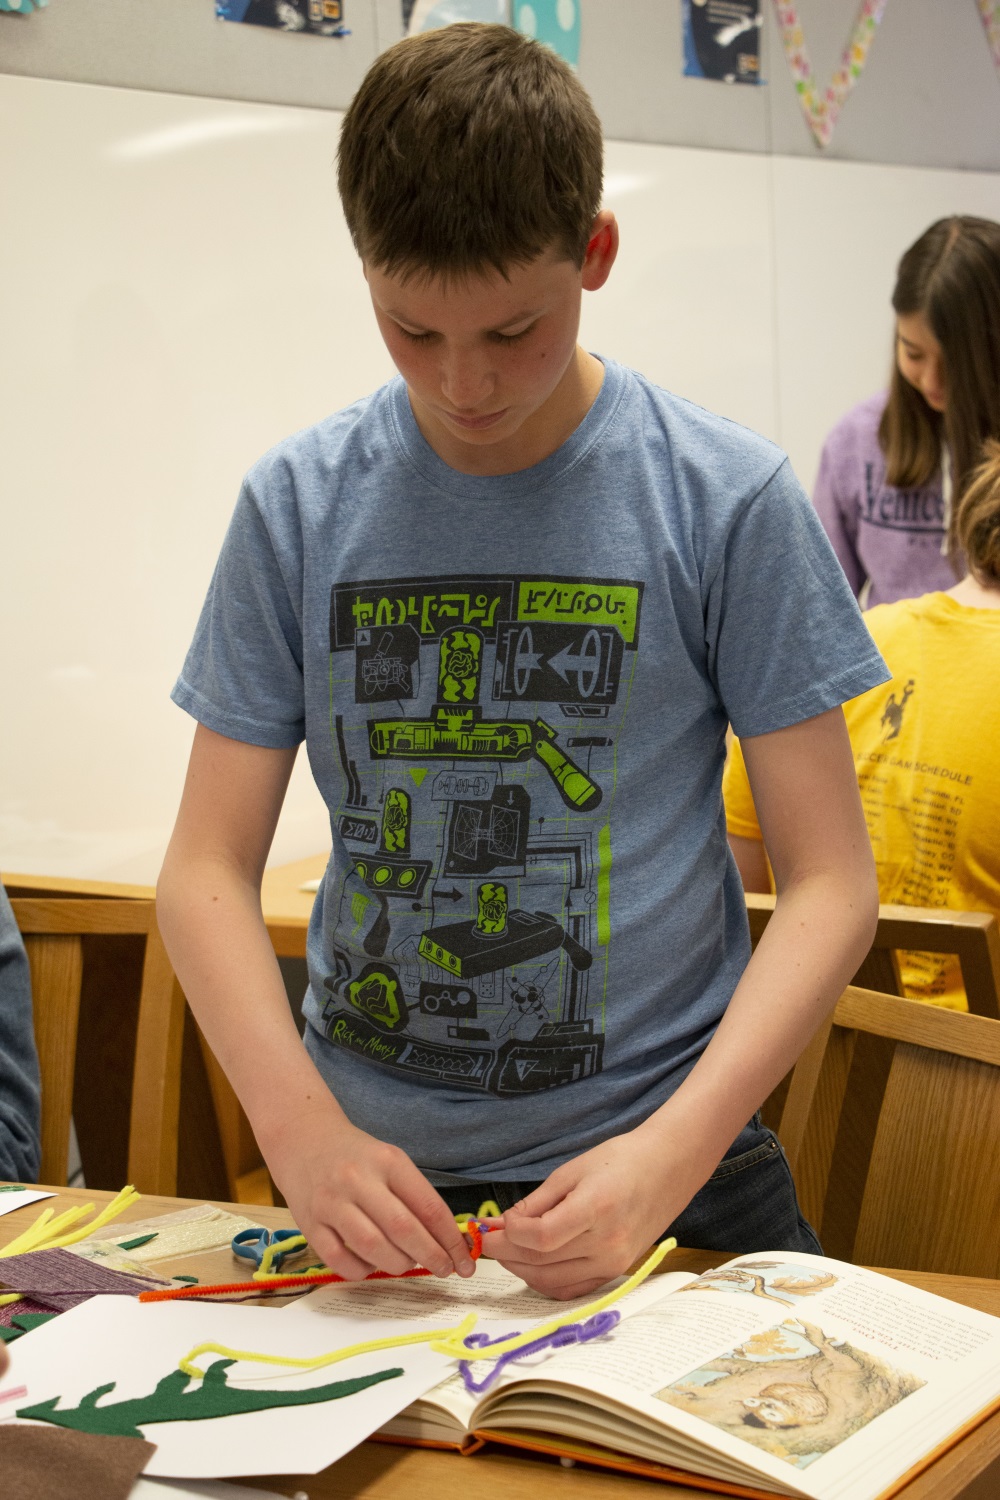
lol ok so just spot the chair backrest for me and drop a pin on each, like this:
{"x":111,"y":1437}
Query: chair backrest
{"x":973,"y":936}
{"x":892,"y":1129}
{"x":133,"y":1060}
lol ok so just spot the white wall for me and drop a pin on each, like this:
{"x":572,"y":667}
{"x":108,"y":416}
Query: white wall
{"x":178,"y":291}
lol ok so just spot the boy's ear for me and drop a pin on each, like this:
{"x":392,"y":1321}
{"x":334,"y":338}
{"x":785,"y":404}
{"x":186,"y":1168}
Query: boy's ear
{"x":602,"y":248}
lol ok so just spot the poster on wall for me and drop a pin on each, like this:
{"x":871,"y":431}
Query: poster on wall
{"x":22,"y":7}
{"x":721,"y":40}
{"x":554,"y":22}
{"x":319,"y":17}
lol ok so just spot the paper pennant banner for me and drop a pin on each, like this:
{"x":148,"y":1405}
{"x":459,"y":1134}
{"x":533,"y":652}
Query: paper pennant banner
{"x":990,"y":13}
{"x":822,"y":107}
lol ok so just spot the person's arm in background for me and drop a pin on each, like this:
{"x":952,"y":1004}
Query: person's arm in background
{"x":20,"y":1145}
{"x":594,"y":1215}
{"x":837,"y":507}
{"x":745,"y":838}
{"x":362,"y":1203}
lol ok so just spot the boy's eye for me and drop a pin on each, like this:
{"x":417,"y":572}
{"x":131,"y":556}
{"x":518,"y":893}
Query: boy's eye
{"x":512,"y":338}
{"x":415,"y":338}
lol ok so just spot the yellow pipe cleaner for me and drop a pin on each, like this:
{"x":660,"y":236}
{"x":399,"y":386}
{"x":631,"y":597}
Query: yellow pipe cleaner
{"x":487,"y":1210}
{"x":451,"y":1340}
{"x":455,"y":1349}
{"x":320,"y":1361}
{"x":47,"y":1233}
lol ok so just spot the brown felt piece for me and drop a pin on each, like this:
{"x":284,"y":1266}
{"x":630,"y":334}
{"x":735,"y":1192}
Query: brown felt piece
{"x":51,"y":1463}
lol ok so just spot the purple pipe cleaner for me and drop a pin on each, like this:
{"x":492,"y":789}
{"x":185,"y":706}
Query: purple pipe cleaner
{"x":572,"y":1333}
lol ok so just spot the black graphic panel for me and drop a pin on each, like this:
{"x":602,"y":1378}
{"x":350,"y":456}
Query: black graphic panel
{"x":555,"y":663}
{"x":455,"y":1001}
{"x":386,"y":664}
{"x":483,"y":835}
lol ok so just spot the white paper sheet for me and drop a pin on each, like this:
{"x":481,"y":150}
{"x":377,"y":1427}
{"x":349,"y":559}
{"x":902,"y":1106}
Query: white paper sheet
{"x":200,"y":1489}
{"x":20,"y":1197}
{"x":137,"y":1344}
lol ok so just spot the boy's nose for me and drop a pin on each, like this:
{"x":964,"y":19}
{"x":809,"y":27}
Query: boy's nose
{"x":465,"y":383}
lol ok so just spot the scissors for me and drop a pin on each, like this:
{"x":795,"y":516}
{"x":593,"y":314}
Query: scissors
{"x":251,"y":1244}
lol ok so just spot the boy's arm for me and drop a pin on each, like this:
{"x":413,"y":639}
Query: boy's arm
{"x":595,"y":1214}
{"x":361,"y":1202}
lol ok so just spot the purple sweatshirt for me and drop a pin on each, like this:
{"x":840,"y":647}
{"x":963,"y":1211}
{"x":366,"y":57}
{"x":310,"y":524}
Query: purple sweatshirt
{"x":890,"y":536}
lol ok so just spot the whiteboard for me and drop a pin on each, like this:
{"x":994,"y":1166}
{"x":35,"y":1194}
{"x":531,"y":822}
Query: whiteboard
{"x":179,"y":292}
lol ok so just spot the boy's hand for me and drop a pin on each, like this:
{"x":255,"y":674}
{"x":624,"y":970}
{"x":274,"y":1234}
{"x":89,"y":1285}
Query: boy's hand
{"x":594,"y":1216}
{"x":360,"y":1202}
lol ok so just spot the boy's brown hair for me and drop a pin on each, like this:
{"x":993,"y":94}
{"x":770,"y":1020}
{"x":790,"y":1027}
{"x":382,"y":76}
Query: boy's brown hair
{"x":467,"y":149}
{"x":951,"y":275}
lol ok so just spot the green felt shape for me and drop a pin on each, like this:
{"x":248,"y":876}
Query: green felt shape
{"x":171,"y":1402}
{"x":192,"y":1279}
{"x":143,"y":1239}
{"x":27,"y":1321}
{"x":22,"y":1324}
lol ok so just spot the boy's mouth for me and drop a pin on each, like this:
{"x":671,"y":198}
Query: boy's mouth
{"x":474,"y":423}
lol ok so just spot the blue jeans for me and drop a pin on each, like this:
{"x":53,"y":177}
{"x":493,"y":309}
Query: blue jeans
{"x":748,"y":1203}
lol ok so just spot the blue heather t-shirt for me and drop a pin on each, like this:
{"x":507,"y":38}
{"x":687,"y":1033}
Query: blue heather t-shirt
{"x":514,"y":693}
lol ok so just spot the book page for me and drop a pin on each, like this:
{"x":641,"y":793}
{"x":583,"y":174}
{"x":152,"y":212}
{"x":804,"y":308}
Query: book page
{"x":808,"y":1371}
{"x":501,"y":1301}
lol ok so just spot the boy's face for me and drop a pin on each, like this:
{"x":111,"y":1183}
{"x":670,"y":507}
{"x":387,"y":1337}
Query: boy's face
{"x":495,"y":377}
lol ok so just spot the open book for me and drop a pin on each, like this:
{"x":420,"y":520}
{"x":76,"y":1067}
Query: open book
{"x":776,"y":1374}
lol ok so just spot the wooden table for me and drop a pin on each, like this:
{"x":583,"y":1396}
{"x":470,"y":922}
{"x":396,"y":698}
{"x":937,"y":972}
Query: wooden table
{"x":381,"y":1471}
{"x":286,"y":906}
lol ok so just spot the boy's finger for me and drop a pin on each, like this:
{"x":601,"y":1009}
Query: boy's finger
{"x":550,"y":1229}
{"x":436,"y":1224}
{"x":334,"y":1253}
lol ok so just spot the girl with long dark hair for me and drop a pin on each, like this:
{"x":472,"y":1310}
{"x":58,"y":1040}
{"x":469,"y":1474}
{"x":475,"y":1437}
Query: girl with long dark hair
{"x":894,"y":470}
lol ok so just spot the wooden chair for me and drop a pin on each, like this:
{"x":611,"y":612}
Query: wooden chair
{"x":85,"y":1071}
{"x":892,"y":1129}
{"x":124,"y":1071}
{"x":973,"y":936}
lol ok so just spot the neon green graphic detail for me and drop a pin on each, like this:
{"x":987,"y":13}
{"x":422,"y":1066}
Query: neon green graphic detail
{"x":418,"y":773}
{"x":396,"y":822}
{"x":604,"y":886}
{"x":460,"y":736}
{"x":359,"y":905}
{"x":458,"y":667}
{"x":377,"y":995}
{"x":591,"y":604}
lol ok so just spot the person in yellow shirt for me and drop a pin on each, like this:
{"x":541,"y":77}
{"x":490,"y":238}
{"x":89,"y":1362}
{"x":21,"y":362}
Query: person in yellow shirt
{"x":926,"y":748}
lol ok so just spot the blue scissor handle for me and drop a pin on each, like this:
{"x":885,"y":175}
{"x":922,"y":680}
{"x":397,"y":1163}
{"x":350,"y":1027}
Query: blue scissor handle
{"x":250,"y":1244}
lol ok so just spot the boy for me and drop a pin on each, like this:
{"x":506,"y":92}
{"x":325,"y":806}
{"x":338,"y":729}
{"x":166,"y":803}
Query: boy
{"x":512,"y":601}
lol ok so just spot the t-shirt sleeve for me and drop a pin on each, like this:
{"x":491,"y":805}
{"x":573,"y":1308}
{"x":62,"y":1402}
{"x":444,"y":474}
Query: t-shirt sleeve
{"x":838,"y":511}
{"x":243,"y":674}
{"x":785,"y":637}
{"x":741,"y":814}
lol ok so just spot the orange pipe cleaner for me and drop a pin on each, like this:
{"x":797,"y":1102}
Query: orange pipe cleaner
{"x":309,"y":1278}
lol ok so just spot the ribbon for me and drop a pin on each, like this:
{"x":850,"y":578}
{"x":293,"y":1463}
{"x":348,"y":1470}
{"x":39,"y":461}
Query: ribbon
{"x":822,"y":107}
{"x":990,"y":14}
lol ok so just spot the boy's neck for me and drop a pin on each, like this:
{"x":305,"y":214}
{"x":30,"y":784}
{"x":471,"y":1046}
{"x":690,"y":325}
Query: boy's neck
{"x":538,"y":436}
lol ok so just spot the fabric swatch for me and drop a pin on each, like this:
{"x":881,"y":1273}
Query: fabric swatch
{"x":63,"y":1280}
{"x":171,"y":1401}
{"x":47,"y":1463}
{"x":186,"y":1232}
{"x":22,"y":1323}
{"x":12,"y":1310}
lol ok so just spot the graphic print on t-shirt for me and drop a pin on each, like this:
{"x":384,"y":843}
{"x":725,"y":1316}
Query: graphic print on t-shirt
{"x":476,"y":721}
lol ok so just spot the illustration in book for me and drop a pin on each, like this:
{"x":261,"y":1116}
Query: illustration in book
{"x":792,"y":1390}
